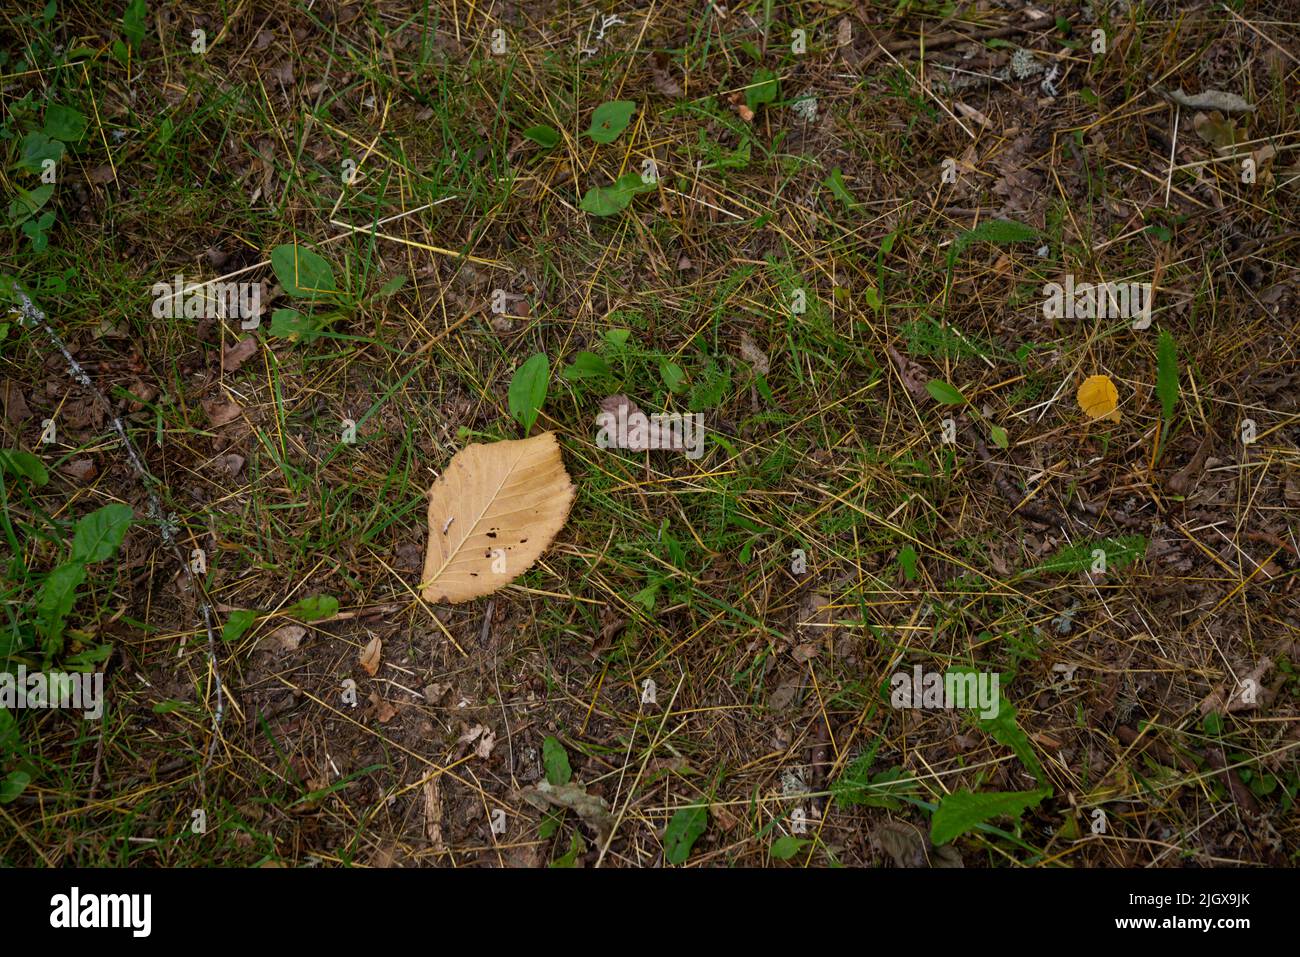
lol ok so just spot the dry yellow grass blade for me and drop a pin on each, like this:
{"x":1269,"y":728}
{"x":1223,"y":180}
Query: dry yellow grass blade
{"x":1099,"y":398}
{"x":492,"y":513}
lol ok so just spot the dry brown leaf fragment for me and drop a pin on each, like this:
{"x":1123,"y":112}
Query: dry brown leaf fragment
{"x":1246,"y":694}
{"x":370,"y":656}
{"x":14,"y":402}
{"x":1210,"y":100}
{"x":913,"y":376}
{"x":815,"y":609}
{"x":1219,"y":131}
{"x":231,"y":462}
{"x":805,"y":652}
{"x":239,"y":353}
{"x":221,"y":411}
{"x":289,"y":637}
{"x":661,"y":68}
{"x":82,"y":470}
{"x":283,"y":72}
{"x":907,"y":846}
{"x":492,"y":512}
{"x":756,"y":357}
{"x":784,"y":694}
{"x":641,"y":431}
{"x":844,"y":32}
{"x":470,"y":735}
{"x":143,"y":392}
{"x":484,"y":736}
{"x":384,"y":711}
{"x":1291,"y":490}
{"x":969,"y":111}
{"x":593,"y":810}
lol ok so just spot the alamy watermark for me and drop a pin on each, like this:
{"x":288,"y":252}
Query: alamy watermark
{"x":212,"y":300}
{"x":130,"y":911}
{"x":83,"y":692}
{"x":1103,"y":300}
{"x":952,"y":689}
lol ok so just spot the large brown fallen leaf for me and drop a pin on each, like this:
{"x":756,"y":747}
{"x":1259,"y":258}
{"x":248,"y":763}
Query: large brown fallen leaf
{"x":492,"y":513}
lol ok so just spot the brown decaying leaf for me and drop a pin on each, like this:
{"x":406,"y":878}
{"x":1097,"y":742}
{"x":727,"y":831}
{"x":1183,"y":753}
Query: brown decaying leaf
{"x":495,"y":506}
{"x":909,"y":847}
{"x":1216,"y":130}
{"x":370,"y":656}
{"x":14,"y":402}
{"x":485,"y":736}
{"x":221,"y":411}
{"x":82,"y":470}
{"x":1246,"y":693}
{"x":289,"y":637}
{"x":751,"y":353}
{"x":974,"y":114}
{"x":640,"y":437}
{"x":1210,"y":100}
{"x":844,"y":32}
{"x":384,"y":710}
{"x":661,"y":72}
{"x":239,"y":353}
{"x":593,"y":810}
{"x":913,"y":375}
{"x":785,"y":693}
{"x":143,"y":392}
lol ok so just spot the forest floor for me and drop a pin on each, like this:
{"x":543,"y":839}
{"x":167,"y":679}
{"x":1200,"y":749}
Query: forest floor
{"x":837,"y":247}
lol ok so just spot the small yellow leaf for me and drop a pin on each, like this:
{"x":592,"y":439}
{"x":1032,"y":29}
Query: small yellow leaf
{"x":1099,"y":398}
{"x":492,"y":513}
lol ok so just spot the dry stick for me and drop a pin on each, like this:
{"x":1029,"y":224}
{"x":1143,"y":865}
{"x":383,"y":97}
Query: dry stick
{"x":33,"y":316}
